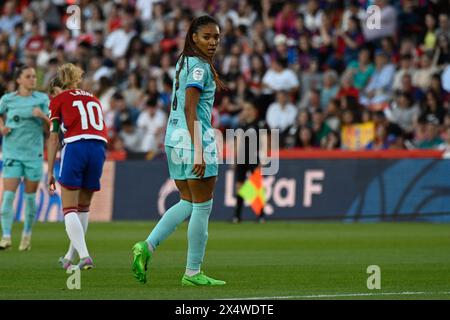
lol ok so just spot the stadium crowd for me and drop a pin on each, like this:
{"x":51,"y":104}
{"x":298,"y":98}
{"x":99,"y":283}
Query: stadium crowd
{"x":310,"y":66}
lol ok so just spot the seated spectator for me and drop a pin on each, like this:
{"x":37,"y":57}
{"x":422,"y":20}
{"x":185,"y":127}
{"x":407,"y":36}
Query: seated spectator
{"x":332,"y":141}
{"x":319,"y":127}
{"x":381,"y":140}
{"x":332,"y":117}
{"x":347,"y":88}
{"x":329,"y":89}
{"x":130,"y":136}
{"x":305,"y":138}
{"x":123,"y":112}
{"x":445,"y":145}
{"x":429,"y":38}
{"x":151,"y":123}
{"x":281,"y":114}
{"x":133,"y":93}
{"x":117,"y":42}
{"x":9,"y":18}
{"x":431,"y":140}
{"x":422,"y":77}
{"x":290,"y":135}
{"x":361,"y":69}
{"x":406,"y":67}
{"x":229,"y":112}
{"x":379,"y":89}
{"x":407,"y":86}
{"x":403,"y":112}
{"x":279,"y":77}
{"x":443,"y":51}
{"x":347,"y":44}
{"x":433,"y":108}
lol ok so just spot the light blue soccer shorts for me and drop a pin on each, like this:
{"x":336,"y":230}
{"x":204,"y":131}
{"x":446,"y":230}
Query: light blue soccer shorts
{"x":181,"y":162}
{"x":30,"y":170}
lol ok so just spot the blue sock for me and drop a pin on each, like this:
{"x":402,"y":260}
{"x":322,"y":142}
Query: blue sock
{"x":30,"y":211}
{"x":198,"y":234}
{"x":7,"y":212}
{"x":169,"y":222}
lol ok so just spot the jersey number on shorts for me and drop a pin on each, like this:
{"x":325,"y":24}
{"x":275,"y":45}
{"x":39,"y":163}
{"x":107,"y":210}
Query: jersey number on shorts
{"x":91,"y":105}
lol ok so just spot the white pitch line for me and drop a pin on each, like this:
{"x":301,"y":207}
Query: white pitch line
{"x":318,"y":296}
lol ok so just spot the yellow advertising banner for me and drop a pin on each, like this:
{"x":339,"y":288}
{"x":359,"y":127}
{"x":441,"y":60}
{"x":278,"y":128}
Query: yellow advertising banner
{"x":357,"y":136}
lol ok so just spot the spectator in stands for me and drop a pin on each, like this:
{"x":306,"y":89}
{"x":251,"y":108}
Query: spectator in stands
{"x":379,"y":88}
{"x":406,"y":67}
{"x":442,"y":50}
{"x":403,"y":112}
{"x":123,"y":112}
{"x":432,"y":140}
{"x":305,"y":138}
{"x":130,"y":137}
{"x":422,"y":77}
{"x":133,"y":93}
{"x":347,"y":88}
{"x":117,"y":42}
{"x":313,"y":15}
{"x":329,"y":89}
{"x":151,"y":123}
{"x":319,"y":127}
{"x":281,"y":114}
{"x":9,"y":18}
{"x":444,"y":25}
{"x":229,"y":112}
{"x":332,"y":141}
{"x":433,"y":108}
{"x":361,"y":69}
{"x":332,"y":116}
{"x":429,"y":38}
{"x":279,"y":77}
{"x":381,"y":140}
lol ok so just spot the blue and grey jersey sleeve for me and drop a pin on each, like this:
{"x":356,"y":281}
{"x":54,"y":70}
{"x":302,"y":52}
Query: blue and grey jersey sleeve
{"x":197,"y":76}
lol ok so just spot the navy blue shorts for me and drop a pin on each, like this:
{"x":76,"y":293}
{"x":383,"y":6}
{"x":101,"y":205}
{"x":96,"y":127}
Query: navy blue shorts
{"x":82,"y":164}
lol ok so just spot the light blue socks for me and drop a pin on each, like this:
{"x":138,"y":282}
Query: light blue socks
{"x":198,"y":234}
{"x":169,"y":222}
{"x":7,"y":213}
{"x":30,"y":212}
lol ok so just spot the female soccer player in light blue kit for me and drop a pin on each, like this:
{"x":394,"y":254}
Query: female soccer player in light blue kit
{"x":25,"y":111}
{"x":191,"y":153}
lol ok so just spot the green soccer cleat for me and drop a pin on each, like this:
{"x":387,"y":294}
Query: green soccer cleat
{"x":86,"y":263}
{"x":141,"y":258}
{"x":200,"y":279}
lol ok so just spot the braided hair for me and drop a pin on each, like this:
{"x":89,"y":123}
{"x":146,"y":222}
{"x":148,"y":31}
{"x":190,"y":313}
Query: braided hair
{"x":190,"y":49}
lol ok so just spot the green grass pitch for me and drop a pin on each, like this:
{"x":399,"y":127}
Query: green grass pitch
{"x":291,"y":260}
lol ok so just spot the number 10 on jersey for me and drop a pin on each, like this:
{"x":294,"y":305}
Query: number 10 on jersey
{"x":95,"y":122}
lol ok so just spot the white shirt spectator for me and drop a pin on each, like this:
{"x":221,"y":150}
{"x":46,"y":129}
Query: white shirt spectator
{"x":445,"y":78}
{"x":279,"y":117}
{"x":151,"y":128}
{"x":145,"y":8}
{"x":118,"y":42}
{"x":285,"y":80}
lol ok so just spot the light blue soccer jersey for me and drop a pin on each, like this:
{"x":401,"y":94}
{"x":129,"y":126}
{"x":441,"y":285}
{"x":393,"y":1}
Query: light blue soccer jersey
{"x":196,"y":73}
{"x":25,"y":142}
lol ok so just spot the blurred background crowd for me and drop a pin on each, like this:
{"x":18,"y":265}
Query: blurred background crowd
{"x":311,"y":67}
